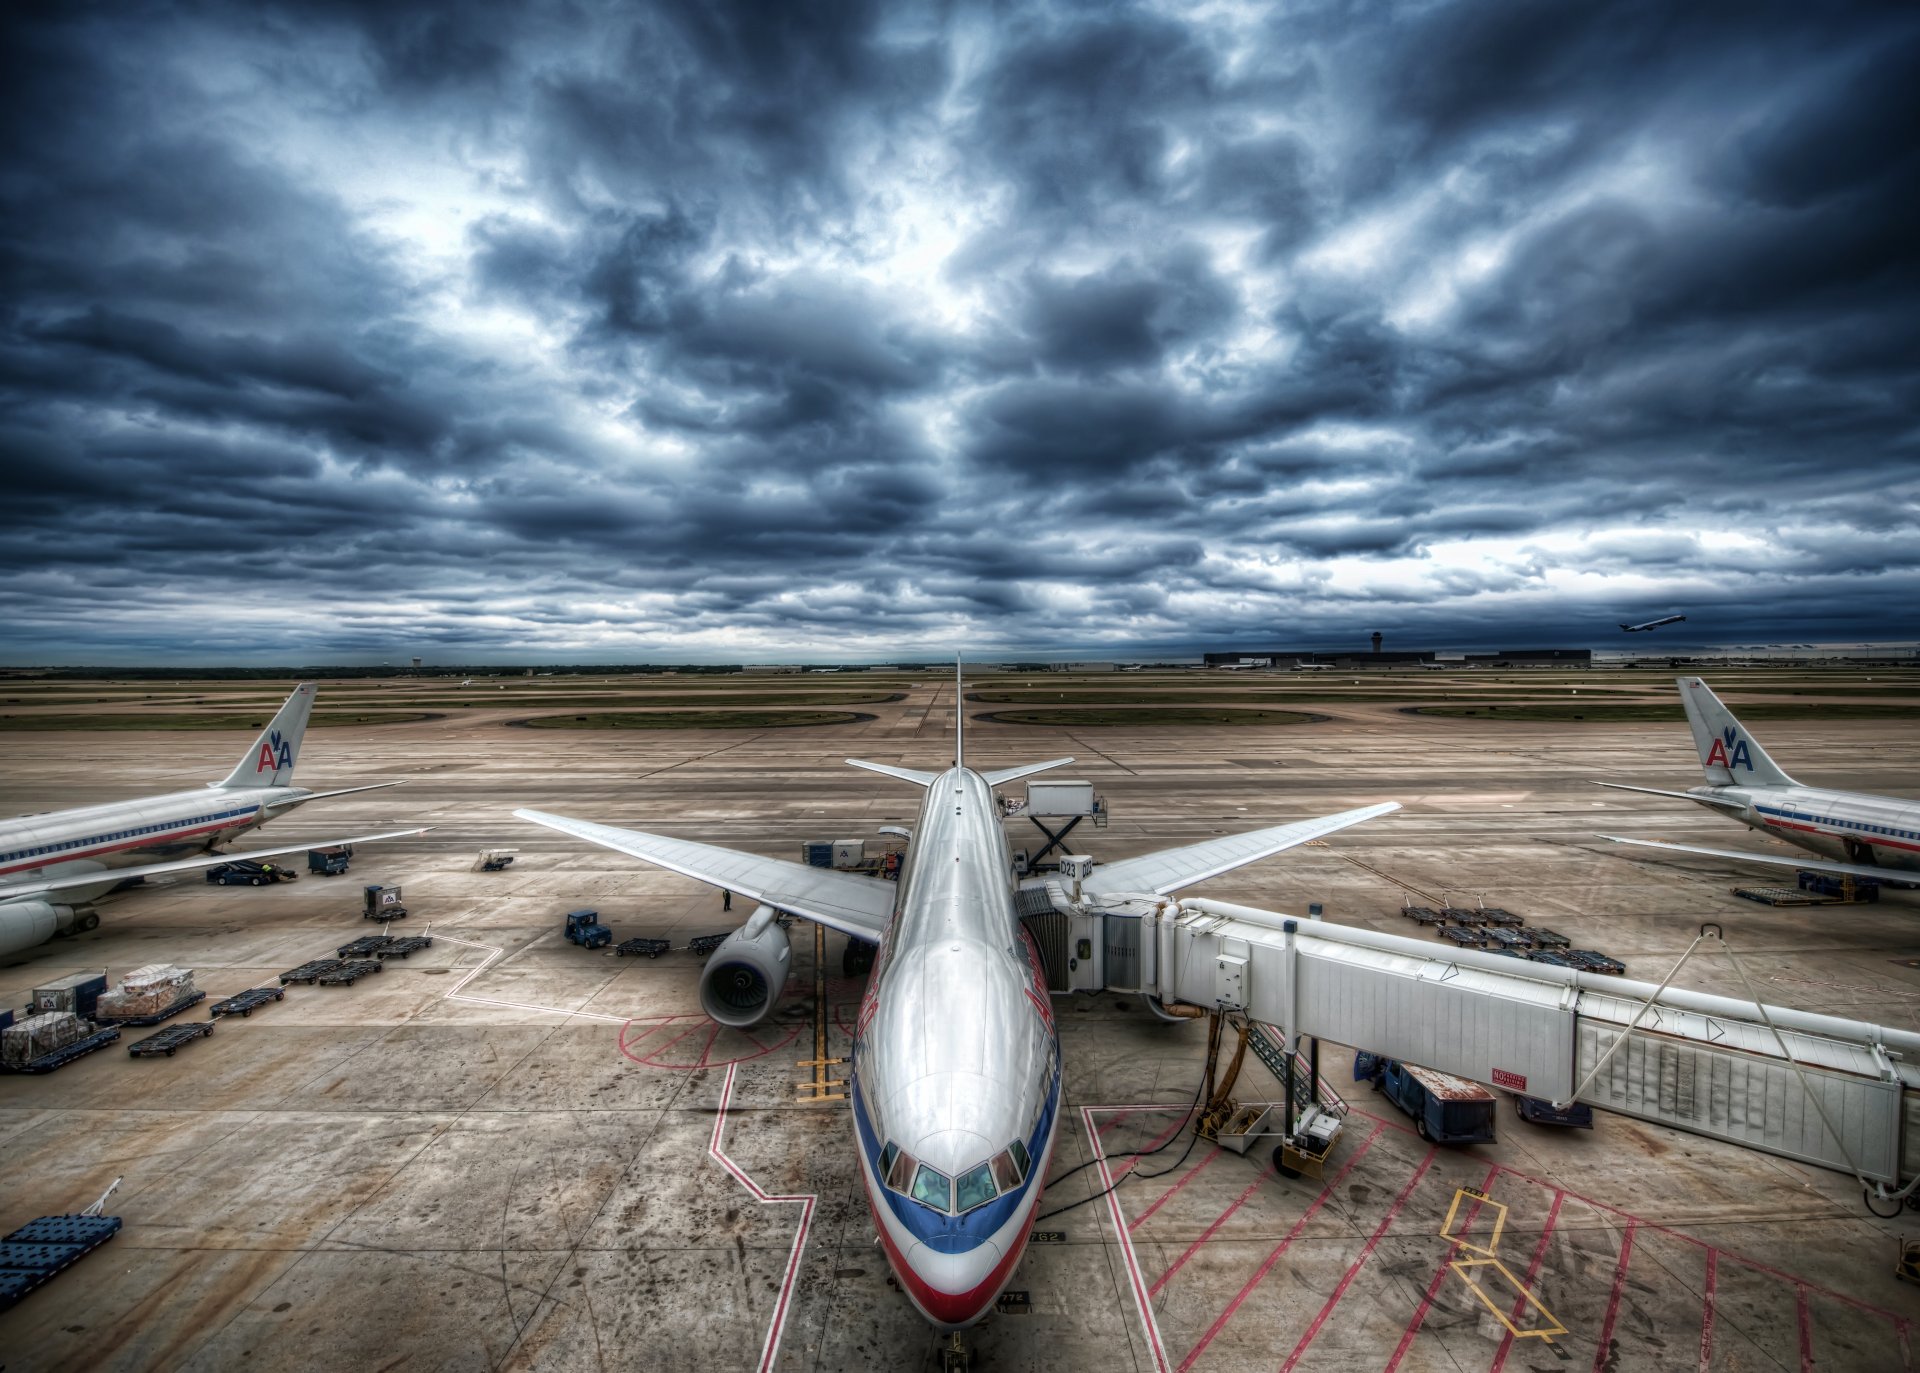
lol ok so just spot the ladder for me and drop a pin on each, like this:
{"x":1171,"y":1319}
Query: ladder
{"x":1270,"y":1048}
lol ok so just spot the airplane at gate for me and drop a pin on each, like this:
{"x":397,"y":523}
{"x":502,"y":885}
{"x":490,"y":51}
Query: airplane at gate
{"x":956,"y":1081}
{"x":1876,"y":836}
{"x":83,"y":854}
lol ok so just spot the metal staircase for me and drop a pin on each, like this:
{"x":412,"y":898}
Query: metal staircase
{"x":1270,"y":1048}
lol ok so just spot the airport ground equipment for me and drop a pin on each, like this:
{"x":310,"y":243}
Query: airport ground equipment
{"x":1553,"y":958}
{"x":165,"y":1042}
{"x":346,"y":974}
{"x":584,"y":928}
{"x":246,"y":1003}
{"x":148,"y":995}
{"x":494,"y":860}
{"x":1445,"y":1109}
{"x":366,"y":946}
{"x":1466,"y":936}
{"x":1781,"y":896}
{"x":1543,"y":938}
{"x":702,"y":945}
{"x":1589,"y":961}
{"x":78,"y":993}
{"x":1576,"y":1115}
{"x":382,"y":903}
{"x":1425,"y":915}
{"x":248,"y":873}
{"x":1499,"y":915}
{"x":1463,"y":915}
{"x":41,"y":1249}
{"x":308,"y":972}
{"x":1826,"y":1091}
{"x":638,"y":946}
{"x":400,"y":948}
{"x":174,"y":1008}
{"x":1056,"y":799}
{"x":52,"y":1039}
{"x":1844,"y":889}
{"x":330,"y":862}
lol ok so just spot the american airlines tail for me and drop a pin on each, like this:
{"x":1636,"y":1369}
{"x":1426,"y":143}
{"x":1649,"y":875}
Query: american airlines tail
{"x":1729,"y":755}
{"x":269,"y":763}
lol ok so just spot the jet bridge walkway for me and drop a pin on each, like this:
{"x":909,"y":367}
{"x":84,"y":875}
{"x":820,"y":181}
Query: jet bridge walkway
{"x":1845,"y":1096}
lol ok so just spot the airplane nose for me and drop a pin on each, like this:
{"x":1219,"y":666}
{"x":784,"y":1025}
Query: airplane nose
{"x":956,"y":1289}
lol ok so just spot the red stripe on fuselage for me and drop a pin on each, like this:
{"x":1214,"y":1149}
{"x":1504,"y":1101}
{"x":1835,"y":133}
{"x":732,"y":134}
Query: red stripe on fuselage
{"x":949,"y":1309}
{"x":145,"y":841}
{"x":1874,"y":841}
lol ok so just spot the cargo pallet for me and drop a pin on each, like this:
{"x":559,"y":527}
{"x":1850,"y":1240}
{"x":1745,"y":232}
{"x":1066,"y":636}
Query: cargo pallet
{"x":169,"y":1039}
{"x":1426,"y":915}
{"x":652,"y":948}
{"x":1782,"y":896}
{"x":348,"y":973}
{"x":39,"y":1250}
{"x":366,"y":946}
{"x":1496,"y":915}
{"x":60,"y":1058}
{"x":247,"y":1002}
{"x":703,"y":944}
{"x":307,"y":972}
{"x":135,"y":1021}
{"x":400,"y":947}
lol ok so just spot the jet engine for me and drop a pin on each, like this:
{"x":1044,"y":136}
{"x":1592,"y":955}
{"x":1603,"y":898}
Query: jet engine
{"x":24,"y":924}
{"x":742,"y":982}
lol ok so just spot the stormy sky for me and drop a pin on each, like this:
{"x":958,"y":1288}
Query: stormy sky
{"x":720,"y":332}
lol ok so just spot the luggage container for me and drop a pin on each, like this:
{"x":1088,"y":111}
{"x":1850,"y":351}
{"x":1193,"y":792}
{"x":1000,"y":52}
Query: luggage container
{"x":40,"y":1035}
{"x":148,"y":995}
{"x":330,"y":862}
{"x":849,"y":853}
{"x":817,"y":853}
{"x":79,"y":993}
{"x":1060,"y":797}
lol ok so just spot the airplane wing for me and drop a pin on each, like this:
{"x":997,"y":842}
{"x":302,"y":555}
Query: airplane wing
{"x":1679,"y":795}
{"x":913,"y":775}
{"x":843,"y":901}
{"x":348,"y":791}
{"x":1810,"y":863}
{"x":1006,"y":775}
{"x":34,"y":886}
{"x":1172,"y":869}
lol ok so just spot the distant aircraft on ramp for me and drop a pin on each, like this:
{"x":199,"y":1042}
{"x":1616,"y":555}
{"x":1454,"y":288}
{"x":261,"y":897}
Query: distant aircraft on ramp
{"x":1653,"y":624}
{"x":1877,"y":836}
{"x":85,"y":853}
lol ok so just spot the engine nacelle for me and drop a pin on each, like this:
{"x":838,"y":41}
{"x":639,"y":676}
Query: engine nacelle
{"x":742,"y":981}
{"x":25,"y":924}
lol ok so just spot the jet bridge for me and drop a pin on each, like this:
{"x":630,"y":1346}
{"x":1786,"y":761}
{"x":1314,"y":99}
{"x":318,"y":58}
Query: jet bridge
{"x":1845,"y":1095}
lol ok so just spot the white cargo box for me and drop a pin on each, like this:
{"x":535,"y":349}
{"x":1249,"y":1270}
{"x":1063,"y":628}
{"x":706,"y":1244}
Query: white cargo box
{"x":848,"y":852}
{"x":1059,"y":797}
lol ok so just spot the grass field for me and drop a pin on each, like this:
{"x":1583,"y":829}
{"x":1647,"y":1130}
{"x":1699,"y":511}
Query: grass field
{"x":322,"y":719}
{"x":1601,"y":711}
{"x":694,"y":719}
{"x":1151,"y":715}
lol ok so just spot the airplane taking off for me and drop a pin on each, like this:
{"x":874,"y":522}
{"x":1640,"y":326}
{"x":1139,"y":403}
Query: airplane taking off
{"x":1877,"y":836}
{"x":956,"y":1082}
{"x":84,"y":853}
{"x":1654,"y":624}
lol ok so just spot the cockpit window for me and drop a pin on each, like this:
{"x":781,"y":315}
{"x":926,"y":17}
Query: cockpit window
{"x":931,"y":1187}
{"x":900,"y":1173}
{"x":886,"y":1160}
{"x":1019,"y":1152}
{"x":973,"y":1188}
{"x":1006,"y":1173}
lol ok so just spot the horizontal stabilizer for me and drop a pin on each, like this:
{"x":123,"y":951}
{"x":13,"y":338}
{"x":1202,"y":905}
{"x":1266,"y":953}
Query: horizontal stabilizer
{"x":1172,"y":869}
{"x":843,"y":901}
{"x":1810,"y":864}
{"x":1003,"y":776}
{"x":14,"y":891}
{"x":1678,"y":795}
{"x":913,"y":775}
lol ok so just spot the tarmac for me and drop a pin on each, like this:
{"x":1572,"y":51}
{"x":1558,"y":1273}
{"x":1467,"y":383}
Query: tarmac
{"x":508,"y":1152}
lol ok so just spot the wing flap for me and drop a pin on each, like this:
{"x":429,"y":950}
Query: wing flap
{"x":1810,"y":863}
{"x":843,"y":901}
{"x":211,"y":860}
{"x":1172,"y":869}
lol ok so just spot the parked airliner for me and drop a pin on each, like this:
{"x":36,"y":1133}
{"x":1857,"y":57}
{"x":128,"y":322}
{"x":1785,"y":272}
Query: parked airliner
{"x":1653,"y":624}
{"x":1871,"y":833}
{"x":956,"y":1084}
{"x":85,"y":853}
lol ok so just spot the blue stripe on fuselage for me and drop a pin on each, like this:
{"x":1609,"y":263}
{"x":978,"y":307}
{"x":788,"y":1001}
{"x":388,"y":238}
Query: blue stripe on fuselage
{"x":954,"y":1234}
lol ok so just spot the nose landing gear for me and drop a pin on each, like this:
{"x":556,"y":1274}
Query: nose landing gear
{"x":953,"y":1355}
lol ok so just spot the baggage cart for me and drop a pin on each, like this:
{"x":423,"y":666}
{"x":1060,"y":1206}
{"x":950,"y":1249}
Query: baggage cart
{"x":245,"y":1003}
{"x":165,"y":1042}
{"x":346,"y":974}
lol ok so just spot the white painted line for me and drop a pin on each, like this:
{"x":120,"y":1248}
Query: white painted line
{"x":1140,"y":1298}
{"x":783,"y":1307}
{"x":453,"y":993}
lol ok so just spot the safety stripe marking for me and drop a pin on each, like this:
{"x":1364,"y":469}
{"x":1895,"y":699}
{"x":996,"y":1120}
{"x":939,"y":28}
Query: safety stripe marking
{"x":783,"y":1306}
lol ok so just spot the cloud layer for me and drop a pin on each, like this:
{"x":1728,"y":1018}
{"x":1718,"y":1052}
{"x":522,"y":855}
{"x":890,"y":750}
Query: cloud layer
{"x":709,"y":331}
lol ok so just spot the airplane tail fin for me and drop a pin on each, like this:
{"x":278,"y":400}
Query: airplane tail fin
{"x":959,"y":715}
{"x":1729,"y":755}
{"x":269,"y":763}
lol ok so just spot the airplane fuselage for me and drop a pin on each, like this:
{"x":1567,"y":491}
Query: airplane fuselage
{"x":1850,"y":826}
{"x":124,"y":833}
{"x":956,"y":1065}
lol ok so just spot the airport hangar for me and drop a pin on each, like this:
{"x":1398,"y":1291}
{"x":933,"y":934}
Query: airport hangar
{"x":513,"y":1151}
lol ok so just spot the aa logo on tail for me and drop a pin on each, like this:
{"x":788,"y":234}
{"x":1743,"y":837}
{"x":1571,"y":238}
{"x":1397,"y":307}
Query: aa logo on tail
{"x":277,"y":753}
{"x":1729,"y":751}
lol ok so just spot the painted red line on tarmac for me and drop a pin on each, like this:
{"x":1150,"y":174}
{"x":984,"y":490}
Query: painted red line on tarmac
{"x":1346,"y":1279}
{"x":712,"y":1039}
{"x":1706,"y":1310}
{"x":1533,"y":1271}
{"x":1439,"y":1276}
{"x":1220,"y":1321}
{"x":1601,"y":1358}
{"x":1806,"y":1329}
{"x":1141,"y":1298}
{"x":1167,"y":1195}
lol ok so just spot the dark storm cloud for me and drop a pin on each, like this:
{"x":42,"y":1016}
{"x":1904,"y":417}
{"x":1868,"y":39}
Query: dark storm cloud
{"x":723,"y":331}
